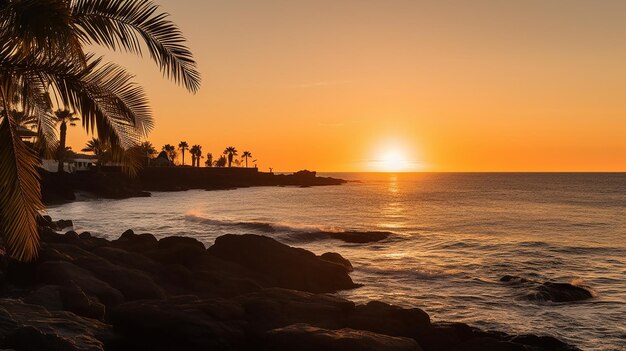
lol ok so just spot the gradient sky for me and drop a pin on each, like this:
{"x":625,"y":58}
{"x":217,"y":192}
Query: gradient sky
{"x":335,"y":85}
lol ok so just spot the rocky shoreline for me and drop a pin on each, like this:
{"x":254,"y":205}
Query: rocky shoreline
{"x":114,"y":184}
{"x":245,"y":292}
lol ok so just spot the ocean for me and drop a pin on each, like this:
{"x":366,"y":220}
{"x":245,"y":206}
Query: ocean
{"x":454,"y":236}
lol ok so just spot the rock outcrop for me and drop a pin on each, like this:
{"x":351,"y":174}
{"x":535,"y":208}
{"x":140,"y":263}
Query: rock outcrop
{"x":244,"y":293}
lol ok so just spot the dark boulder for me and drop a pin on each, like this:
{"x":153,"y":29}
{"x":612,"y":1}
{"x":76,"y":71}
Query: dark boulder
{"x":281,"y":265}
{"x":543,"y":342}
{"x":186,"y":323}
{"x":177,"y":250}
{"x":513,"y":279}
{"x":560,"y":292}
{"x":132,"y":283}
{"x":66,"y":273}
{"x":444,"y":336}
{"x":303,"y":337}
{"x":130,"y":241}
{"x":353,"y":237}
{"x":274,"y":308}
{"x":28,"y":327}
{"x":386,"y":319}
{"x":338,"y":259}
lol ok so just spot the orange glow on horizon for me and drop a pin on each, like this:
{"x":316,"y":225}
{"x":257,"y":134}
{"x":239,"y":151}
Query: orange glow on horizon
{"x":471,"y":86}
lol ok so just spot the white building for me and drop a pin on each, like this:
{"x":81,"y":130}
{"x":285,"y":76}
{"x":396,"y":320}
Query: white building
{"x":77,"y":164}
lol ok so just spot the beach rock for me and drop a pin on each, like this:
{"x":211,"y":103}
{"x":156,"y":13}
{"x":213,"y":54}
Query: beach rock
{"x":560,"y":292}
{"x":338,"y":259}
{"x":513,"y":279}
{"x":33,"y":328}
{"x":444,"y":336}
{"x":75,"y":300}
{"x":66,"y":273}
{"x":281,"y":265}
{"x":184,"y":323}
{"x":275,"y":307}
{"x":130,"y":241}
{"x":177,"y":250}
{"x":360,"y":237}
{"x":303,"y":337}
{"x":386,"y":319}
{"x":543,"y":342}
{"x":62,"y":224}
{"x":488,"y":344}
{"x":48,"y":296}
{"x":69,"y":298}
{"x":132,"y":283}
{"x":353,"y":237}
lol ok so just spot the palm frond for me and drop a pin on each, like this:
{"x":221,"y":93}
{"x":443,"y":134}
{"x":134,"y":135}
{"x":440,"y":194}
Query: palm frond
{"x":125,"y":24}
{"x":20,"y":198}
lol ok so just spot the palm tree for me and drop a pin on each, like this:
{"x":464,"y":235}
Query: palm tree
{"x":245,"y":156}
{"x":196,"y":152}
{"x":171,"y":152}
{"x":183,"y":146}
{"x":193,"y":151}
{"x":231,"y":152}
{"x":63,"y":118}
{"x":209,"y":160}
{"x":101,"y":149}
{"x":45,"y":64}
{"x":147,"y":150}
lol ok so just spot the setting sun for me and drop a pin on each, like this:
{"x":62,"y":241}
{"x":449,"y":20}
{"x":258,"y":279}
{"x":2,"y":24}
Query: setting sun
{"x":394,"y":160}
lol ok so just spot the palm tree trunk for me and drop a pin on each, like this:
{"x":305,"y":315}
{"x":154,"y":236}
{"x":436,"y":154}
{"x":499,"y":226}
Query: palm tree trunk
{"x":61,"y":150}
{"x":246,"y":161}
{"x":184,"y":156}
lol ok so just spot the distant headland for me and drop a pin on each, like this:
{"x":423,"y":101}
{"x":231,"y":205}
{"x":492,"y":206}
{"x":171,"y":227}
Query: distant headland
{"x":110,"y":182}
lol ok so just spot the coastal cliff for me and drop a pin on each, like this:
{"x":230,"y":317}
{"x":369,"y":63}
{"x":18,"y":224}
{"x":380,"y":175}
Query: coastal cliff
{"x":245,"y":292}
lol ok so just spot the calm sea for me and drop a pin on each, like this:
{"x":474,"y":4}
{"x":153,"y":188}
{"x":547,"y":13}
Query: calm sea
{"x":455,"y":235}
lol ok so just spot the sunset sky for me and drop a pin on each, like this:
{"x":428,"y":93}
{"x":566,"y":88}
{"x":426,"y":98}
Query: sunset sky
{"x":364,"y":85}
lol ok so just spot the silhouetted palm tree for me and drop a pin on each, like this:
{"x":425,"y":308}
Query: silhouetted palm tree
{"x":44,"y":59}
{"x":230,"y":152}
{"x":209,"y":160}
{"x":63,"y":118}
{"x":196,"y":152}
{"x":100,"y":149}
{"x":183,"y":146}
{"x":146,"y":150}
{"x":171,"y":152}
{"x":245,"y":156}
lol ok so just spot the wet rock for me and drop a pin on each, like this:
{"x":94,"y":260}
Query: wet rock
{"x":360,"y":237}
{"x":132,"y":283}
{"x":560,"y":292}
{"x":444,"y":336}
{"x":386,"y":319}
{"x":33,"y":328}
{"x":65,"y":273}
{"x":48,"y":296}
{"x":281,"y":265}
{"x":353,"y":237}
{"x":130,"y":241}
{"x":186,"y":323}
{"x":543,"y":342}
{"x":304,"y":337}
{"x":177,"y":250}
{"x":513,"y":279}
{"x":274,"y":308}
{"x":338,"y":259}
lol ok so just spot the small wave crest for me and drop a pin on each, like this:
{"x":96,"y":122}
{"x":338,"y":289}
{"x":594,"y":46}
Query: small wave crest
{"x":297,"y":232}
